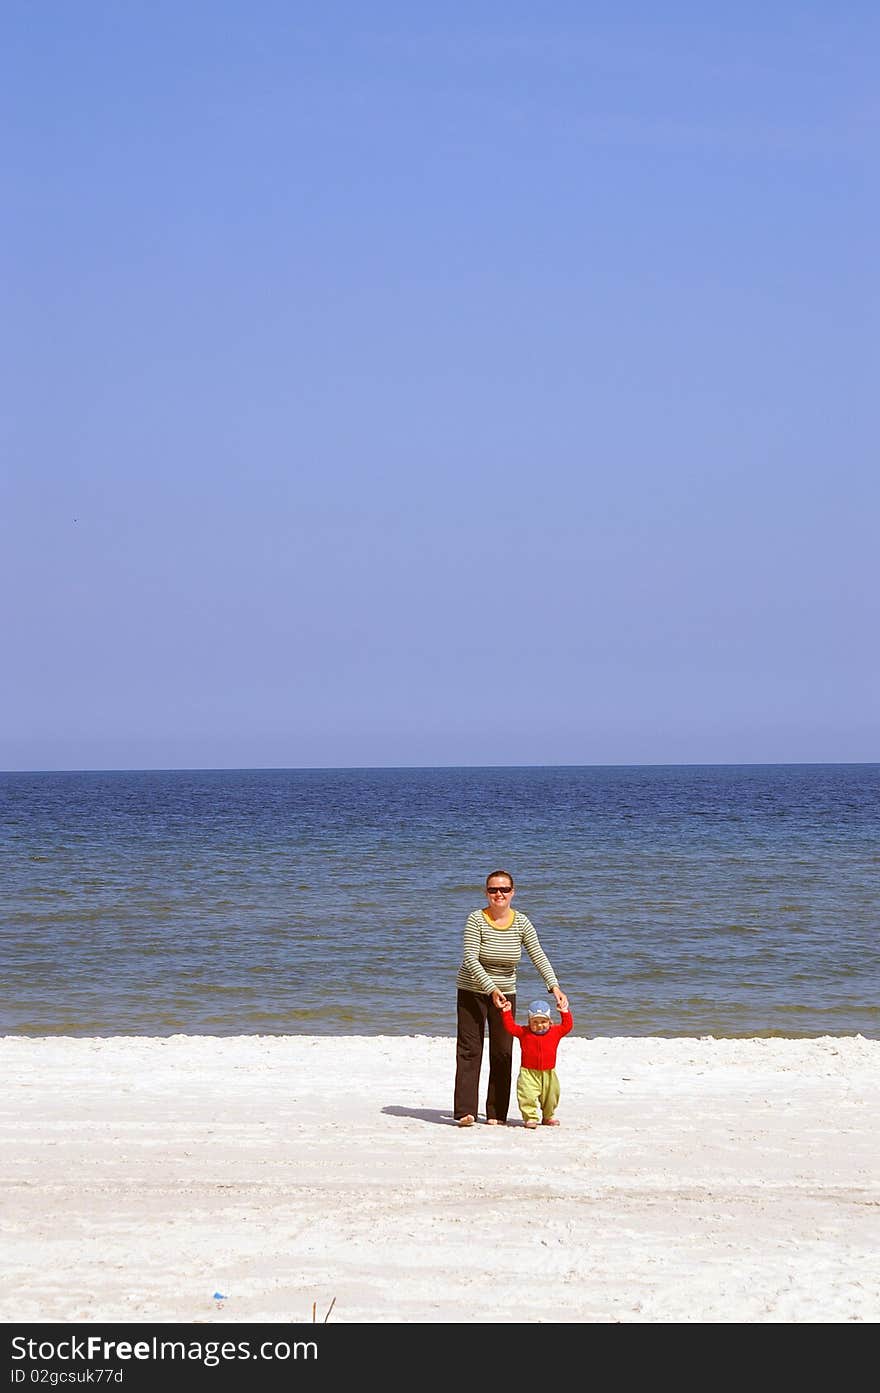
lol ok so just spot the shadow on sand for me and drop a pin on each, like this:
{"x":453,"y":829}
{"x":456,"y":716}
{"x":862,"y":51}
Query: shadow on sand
{"x":438,"y":1115}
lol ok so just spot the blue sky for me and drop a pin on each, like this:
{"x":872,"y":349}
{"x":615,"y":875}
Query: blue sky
{"x":485,"y":385}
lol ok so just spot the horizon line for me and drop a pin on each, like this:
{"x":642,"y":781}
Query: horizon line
{"x":378,"y":768}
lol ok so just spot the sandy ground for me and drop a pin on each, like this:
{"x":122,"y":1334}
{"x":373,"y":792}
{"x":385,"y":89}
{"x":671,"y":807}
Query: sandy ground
{"x":690,"y":1181}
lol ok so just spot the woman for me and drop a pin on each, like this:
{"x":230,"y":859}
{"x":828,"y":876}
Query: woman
{"x":494,"y":938}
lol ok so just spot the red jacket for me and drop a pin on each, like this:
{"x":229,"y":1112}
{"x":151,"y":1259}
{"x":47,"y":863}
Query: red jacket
{"x":538,"y":1051}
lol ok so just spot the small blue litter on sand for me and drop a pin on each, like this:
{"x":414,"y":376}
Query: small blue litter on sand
{"x":219,"y":1296}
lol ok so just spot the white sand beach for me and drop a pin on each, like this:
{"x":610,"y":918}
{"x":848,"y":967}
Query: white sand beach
{"x":691,"y":1180}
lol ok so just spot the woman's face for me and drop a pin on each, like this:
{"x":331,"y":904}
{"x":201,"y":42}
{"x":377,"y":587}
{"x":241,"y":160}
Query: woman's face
{"x":499,"y":891}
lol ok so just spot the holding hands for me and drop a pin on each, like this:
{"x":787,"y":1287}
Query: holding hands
{"x":500,"y":1000}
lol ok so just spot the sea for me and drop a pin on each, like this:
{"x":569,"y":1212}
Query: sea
{"x":696,"y":900}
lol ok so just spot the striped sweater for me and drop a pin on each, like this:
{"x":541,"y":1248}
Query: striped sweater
{"x":491,"y":955}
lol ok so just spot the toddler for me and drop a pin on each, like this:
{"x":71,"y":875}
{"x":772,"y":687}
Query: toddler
{"x":537,"y":1082}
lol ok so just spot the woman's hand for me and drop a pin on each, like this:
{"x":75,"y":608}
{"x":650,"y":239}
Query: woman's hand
{"x":499,"y":998}
{"x":561,"y":998}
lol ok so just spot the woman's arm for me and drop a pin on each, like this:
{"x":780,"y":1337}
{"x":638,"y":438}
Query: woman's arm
{"x":542,"y":963}
{"x":472,"y":942}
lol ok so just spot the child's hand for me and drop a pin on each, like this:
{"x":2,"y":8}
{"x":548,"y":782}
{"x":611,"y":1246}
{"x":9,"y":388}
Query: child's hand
{"x":507,"y":1006}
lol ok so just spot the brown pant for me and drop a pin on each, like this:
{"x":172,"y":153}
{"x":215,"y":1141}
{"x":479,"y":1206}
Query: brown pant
{"x":474,"y":1009}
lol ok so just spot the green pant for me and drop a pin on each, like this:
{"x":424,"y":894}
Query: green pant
{"x":535,"y":1086}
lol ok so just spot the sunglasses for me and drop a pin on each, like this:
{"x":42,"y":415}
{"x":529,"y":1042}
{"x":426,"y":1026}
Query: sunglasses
{"x":499,"y":889}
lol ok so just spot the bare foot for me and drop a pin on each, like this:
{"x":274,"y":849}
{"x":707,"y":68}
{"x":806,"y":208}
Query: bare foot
{"x":495,"y":1122}
{"x":466,"y":1121}
{"x":550,"y":1122}
{"x":530,"y":1122}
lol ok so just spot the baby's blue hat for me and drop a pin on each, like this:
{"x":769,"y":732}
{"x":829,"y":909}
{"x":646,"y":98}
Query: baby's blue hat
{"x":539,"y":1008}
